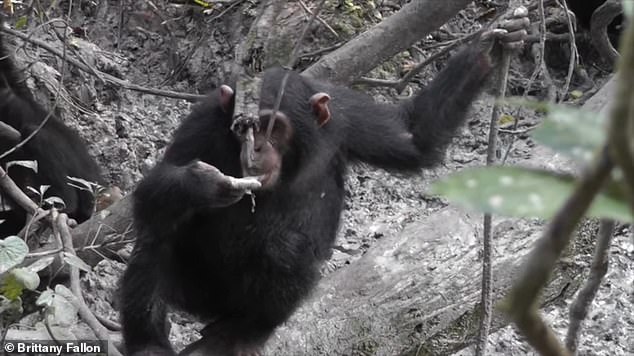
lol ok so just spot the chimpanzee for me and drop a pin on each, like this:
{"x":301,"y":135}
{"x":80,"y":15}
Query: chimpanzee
{"x":203,"y":247}
{"x":58,"y":150}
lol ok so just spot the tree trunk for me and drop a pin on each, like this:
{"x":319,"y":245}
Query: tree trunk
{"x":415,"y":293}
{"x":393,"y":35}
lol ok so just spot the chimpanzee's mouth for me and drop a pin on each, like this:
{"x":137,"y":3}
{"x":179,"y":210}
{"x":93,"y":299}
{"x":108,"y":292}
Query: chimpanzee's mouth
{"x":265,"y":179}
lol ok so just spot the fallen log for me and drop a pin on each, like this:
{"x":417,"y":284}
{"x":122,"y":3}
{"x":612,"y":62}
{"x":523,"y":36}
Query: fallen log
{"x":416,"y":292}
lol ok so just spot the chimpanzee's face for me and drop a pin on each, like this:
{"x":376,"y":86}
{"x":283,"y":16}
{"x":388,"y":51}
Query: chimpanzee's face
{"x":261,"y":154}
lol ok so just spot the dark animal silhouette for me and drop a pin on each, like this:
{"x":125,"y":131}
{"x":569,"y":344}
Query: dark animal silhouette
{"x":201,"y":247}
{"x":58,"y":150}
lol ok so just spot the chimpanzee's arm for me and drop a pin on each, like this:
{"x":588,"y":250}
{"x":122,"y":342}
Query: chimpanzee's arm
{"x":437,"y":112}
{"x":181,"y":184}
{"x":173,"y":193}
{"x":143,"y":313}
{"x":416,"y":133}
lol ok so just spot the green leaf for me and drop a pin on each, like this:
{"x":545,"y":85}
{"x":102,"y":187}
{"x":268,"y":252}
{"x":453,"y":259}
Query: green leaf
{"x":628,"y":8}
{"x":75,"y":261}
{"x":204,"y":4}
{"x":521,"y":192}
{"x":576,"y":94}
{"x":60,"y":305}
{"x":64,"y":307}
{"x":574,"y":132}
{"x":506,"y":120}
{"x":30,"y":280}
{"x":13,"y":250}
{"x":21,"y":23}
{"x":46,"y":298}
{"x":11,"y":288}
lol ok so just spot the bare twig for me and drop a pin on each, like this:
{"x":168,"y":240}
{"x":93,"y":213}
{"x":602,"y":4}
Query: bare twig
{"x":86,"y":314}
{"x":553,"y":37}
{"x":574,"y":55}
{"x":107,"y":77}
{"x":401,"y":84}
{"x":294,"y":57}
{"x":487,"y":250}
{"x":321,"y":51}
{"x":522,"y":299}
{"x":539,"y":67}
{"x":580,"y":307}
{"x":9,"y":187}
{"x":622,"y":123}
{"x":321,"y":21}
{"x":111,"y":325}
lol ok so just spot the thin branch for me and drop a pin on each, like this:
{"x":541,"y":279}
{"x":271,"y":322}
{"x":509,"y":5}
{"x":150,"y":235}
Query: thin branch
{"x":550,"y":37}
{"x":539,"y":66}
{"x":294,"y":57}
{"x":522,"y":299}
{"x":107,"y":77}
{"x":86,"y":314}
{"x":321,"y":21}
{"x":321,"y":51}
{"x":111,"y":325}
{"x":487,"y":249}
{"x":9,"y":187}
{"x":574,"y":55}
{"x":580,"y":307}
{"x":401,"y":84}
{"x":622,"y":125}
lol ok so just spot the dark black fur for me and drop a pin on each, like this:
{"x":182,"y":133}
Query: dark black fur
{"x":59,"y":151}
{"x":247,"y":272}
{"x":583,"y":10}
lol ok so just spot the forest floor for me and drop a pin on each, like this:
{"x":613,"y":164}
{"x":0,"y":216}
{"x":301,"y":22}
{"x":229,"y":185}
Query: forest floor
{"x":128,"y":132}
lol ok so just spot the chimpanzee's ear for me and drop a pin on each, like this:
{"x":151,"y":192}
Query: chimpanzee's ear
{"x":319,"y":103}
{"x":226,"y":95}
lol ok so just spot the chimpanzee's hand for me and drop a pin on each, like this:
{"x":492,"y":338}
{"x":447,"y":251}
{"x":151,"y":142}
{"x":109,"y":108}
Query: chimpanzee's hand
{"x":510,"y":33}
{"x":221,"y":190}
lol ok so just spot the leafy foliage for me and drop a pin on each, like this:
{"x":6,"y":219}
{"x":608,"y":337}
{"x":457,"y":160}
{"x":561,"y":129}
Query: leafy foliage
{"x":524,"y":192}
{"x":576,"y":133}
{"x":520,"y":192}
{"x":13,"y":250}
{"x":59,"y":305}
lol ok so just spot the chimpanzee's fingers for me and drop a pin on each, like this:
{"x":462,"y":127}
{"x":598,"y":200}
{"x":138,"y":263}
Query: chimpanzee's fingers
{"x":516,"y":36}
{"x":521,"y":11}
{"x":516,"y":24}
{"x":207,"y":167}
{"x":488,"y":37}
{"x":248,"y":183}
